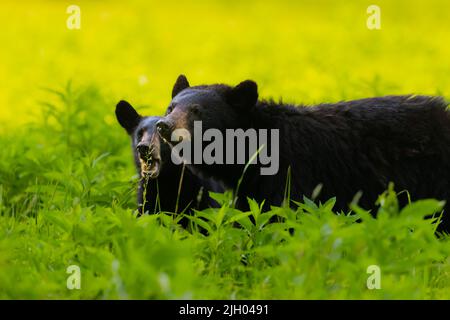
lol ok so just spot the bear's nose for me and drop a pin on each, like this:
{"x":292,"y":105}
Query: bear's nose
{"x":164,"y":129}
{"x":144,"y":150}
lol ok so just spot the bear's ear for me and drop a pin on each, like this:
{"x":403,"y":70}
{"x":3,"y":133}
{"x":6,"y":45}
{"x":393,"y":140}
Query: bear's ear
{"x":181,"y":84}
{"x":244,"y":95}
{"x":127,"y":116}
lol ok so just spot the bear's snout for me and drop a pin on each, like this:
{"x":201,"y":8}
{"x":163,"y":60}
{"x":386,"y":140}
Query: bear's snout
{"x":164,"y":128}
{"x":144,"y":150}
{"x":150,"y":160}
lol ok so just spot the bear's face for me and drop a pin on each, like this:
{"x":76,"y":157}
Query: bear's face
{"x":216,"y":106}
{"x":146,"y":143}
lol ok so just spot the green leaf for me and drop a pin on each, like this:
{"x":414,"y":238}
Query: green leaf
{"x":422,"y":208}
{"x":220,"y":215}
{"x":223,"y":199}
{"x":329,"y":205}
{"x":201,"y":223}
{"x":254,"y":208}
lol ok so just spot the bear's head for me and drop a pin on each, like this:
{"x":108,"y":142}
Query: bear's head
{"x":148,"y":150}
{"x":217,"y":106}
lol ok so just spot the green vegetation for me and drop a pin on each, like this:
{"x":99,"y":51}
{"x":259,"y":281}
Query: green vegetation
{"x":67,"y":181}
{"x":67,"y":198}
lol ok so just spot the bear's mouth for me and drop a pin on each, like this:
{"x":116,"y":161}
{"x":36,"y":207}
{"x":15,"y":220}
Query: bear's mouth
{"x":150,"y":167}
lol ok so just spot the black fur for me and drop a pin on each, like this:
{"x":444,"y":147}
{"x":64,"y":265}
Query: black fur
{"x":181,"y":84}
{"x":352,"y":146}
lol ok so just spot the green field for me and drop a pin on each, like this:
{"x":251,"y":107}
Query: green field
{"x":67,"y":180}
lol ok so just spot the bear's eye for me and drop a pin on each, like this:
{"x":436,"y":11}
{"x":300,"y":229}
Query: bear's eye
{"x":140,"y":134}
{"x":195,"y":109}
{"x":169,"y":109}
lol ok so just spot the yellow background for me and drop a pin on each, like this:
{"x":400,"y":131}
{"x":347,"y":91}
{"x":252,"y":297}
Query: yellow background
{"x":303,"y":51}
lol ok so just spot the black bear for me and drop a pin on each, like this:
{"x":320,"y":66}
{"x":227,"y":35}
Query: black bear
{"x":163,"y":186}
{"x":346,"y":147}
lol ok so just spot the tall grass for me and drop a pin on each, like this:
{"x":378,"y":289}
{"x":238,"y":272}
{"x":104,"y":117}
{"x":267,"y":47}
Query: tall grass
{"x":67,"y":187}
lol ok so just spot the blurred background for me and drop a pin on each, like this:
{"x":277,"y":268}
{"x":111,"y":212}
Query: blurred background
{"x":304,"y":51}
